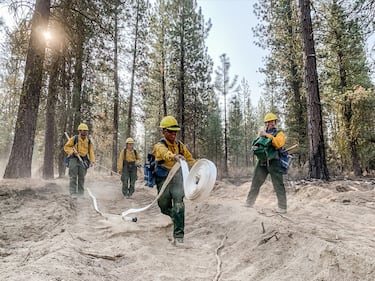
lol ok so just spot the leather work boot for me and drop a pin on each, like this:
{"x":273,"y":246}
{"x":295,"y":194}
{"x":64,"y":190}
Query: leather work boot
{"x":178,"y":240}
{"x":280,"y":211}
{"x":248,"y":205}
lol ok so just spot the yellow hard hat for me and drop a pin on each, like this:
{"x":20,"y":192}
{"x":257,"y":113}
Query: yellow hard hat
{"x":83,"y":127}
{"x":130,"y":140}
{"x":170,"y":123}
{"x":269,"y":117}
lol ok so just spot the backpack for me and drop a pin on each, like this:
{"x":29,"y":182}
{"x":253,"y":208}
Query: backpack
{"x":285,"y":160}
{"x":86,"y":161}
{"x":259,"y":147}
{"x":153,"y":168}
{"x":149,"y":170}
{"x":135,"y":152}
{"x":128,"y":163}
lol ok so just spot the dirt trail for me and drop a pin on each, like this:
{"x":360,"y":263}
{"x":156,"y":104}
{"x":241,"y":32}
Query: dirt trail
{"x":328,"y":234}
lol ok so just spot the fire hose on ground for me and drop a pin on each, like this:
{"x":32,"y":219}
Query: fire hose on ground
{"x":198,"y":184}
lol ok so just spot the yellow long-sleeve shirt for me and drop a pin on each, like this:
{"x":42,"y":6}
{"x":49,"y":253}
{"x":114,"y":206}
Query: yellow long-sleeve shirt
{"x":161,"y":152}
{"x":130,"y":157}
{"x":82,"y":148}
{"x":278,"y":141}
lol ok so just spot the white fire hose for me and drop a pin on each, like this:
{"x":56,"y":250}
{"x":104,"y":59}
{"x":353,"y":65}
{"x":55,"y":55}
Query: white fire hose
{"x":198,"y":184}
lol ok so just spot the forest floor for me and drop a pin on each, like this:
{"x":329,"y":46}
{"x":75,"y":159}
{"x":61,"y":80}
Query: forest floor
{"x":327,"y":234}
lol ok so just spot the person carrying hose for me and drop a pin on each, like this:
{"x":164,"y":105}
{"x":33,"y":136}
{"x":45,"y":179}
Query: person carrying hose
{"x":167,"y":152}
{"x":81,"y":156}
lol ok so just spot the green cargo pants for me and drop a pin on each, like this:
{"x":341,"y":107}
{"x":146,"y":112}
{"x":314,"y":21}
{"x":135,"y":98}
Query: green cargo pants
{"x":77,"y":173}
{"x":128,"y":178}
{"x":260,"y":173}
{"x":171,"y":202}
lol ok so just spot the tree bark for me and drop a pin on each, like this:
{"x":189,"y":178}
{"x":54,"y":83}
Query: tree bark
{"x":116,"y":96}
{"x":49,"y":136}
{"x":78,"y":75}
{"x":317,"y":158}
{"x":225,"y":62}
{"x":134,"y":67}
{"x":20,"y":159}
{"x":64,"y":106}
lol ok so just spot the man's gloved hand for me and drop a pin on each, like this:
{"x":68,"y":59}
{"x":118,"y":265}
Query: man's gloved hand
{"x":262,"y":133}
{"x":179,"y":157}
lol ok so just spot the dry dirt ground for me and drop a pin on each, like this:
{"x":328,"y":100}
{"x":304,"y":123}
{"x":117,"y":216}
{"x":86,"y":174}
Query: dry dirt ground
{"x":327,"y":234}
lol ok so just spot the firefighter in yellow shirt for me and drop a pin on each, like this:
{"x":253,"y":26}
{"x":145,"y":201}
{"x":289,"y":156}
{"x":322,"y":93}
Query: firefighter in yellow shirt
{"x":79,"y":146}
{"x":167,"y":152}
{"x":270,"y":164}
{"x":128,"y":162}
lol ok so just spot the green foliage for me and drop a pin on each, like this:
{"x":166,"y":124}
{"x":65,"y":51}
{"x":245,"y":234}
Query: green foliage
{"x":236,"y":136}
{"x":173,"y":75}
{"x":279,"y":32}
{"x":345,"y":75}
{"x":12,"y":63}
{"x":212,"y":131}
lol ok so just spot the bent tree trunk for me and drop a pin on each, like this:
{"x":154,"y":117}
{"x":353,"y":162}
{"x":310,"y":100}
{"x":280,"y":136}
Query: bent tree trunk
{"x":20,"y":159}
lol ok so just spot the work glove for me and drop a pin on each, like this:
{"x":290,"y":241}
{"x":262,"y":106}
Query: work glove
{"x":179,"y":157}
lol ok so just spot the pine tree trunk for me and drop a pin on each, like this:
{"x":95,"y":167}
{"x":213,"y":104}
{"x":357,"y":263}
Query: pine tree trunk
{"x":78,"y":75}
{"x":163,"y":84}
{"x":181,"y":72}
{"x":116,"y":96}
{"x":317,"y":158}
{"x":134,"y":67}
{"x":63,"y":109}
{"x":49,"y":136}
{"x":163,"y":76}
{"x":163,"y":61}
{"x":19,"y":165}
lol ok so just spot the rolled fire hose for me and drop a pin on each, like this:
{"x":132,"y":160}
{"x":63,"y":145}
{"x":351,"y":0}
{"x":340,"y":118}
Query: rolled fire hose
{"x":198,"y":183}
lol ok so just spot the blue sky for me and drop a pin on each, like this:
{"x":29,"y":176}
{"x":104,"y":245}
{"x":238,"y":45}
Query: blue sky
{"x":231,"y":33}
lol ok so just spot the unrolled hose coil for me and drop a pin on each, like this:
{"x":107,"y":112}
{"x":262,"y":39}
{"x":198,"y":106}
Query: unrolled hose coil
{"x":198,"y":183}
